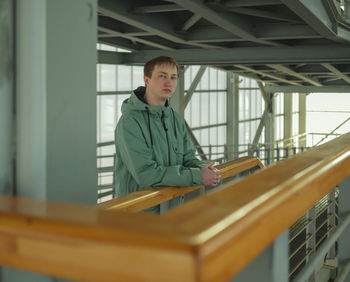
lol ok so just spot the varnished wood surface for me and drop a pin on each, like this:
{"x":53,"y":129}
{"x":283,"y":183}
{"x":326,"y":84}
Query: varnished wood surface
{"x":152,"y":196}
{"x":210,"y":238}
{"x":240,"y":220}
{"x":85,"y":243}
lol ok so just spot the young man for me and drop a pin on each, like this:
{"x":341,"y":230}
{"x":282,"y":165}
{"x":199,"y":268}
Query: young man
{"x":152,"y":144}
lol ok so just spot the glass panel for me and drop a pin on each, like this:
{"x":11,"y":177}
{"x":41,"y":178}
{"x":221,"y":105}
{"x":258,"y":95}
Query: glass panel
{"x":108,"y":78}
{"x":213,"y":108}
{"x":222,"y":80}
{"x":137,"y":77}
{"x":124,"y":78}
{"x":107,"y":120}
{"x":204,"y":83}
{"x":221,"y":107}
{"x":204,"y":108}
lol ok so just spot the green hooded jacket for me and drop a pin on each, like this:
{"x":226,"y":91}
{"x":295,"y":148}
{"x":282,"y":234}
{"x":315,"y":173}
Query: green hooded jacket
{"x":152,"y":148}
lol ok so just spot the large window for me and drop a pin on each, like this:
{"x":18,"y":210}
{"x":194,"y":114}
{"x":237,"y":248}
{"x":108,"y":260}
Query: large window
{"x":251,"y":108}
{"x":328,"y":116}
{"x":206,"y":111}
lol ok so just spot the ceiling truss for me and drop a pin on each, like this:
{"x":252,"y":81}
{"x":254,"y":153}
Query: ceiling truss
{"x":300,"y":44}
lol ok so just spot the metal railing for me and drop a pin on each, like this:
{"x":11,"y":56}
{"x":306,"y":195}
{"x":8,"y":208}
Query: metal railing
{"x":267,"y":153}
{"x":310,"y":232}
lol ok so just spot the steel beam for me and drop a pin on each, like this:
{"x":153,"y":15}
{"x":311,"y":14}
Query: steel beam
{"x":337,"y":72}
{"x":248,"y":3}
{"x":266,"y":74}
{"x":194,"y":85}
{"x":209,"y":126}
{"x":262,"y":31}
{"x":265,"y":14}
{"x":291,"y":72}
{"x":161,"y":26}
{"x":253,"y":55}
{"x":158,"y":8}
{"x":134,"y":38}
{"x":309,"y":89}
{"x":232,"y":23}
{"x":335,"y":129}
{"x":264,"y":94}
{"x":260,"y":128}
{"x":318,"y":15}
{"x":190,"y":22}
{"x":264,"y":115}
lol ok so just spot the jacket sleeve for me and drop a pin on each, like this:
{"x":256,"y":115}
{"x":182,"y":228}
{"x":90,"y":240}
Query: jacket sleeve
{"x":136,"y":154}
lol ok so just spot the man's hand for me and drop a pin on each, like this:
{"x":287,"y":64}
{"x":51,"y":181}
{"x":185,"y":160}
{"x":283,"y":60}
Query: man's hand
{"x":210,"y":175}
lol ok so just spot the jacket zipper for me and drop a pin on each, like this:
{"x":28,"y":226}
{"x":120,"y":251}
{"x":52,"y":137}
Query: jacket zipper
{"x":167,"y":138}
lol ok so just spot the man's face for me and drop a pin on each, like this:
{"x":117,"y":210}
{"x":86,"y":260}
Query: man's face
{"x":162,"y":84}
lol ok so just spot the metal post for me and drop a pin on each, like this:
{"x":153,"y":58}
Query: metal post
{"x":287,"y":121}
{"x":232,"y":114}
{"x":302,"y":119}
{"x":268,"y":160}
{"x":270,"y":128}
{"x":311,"y":232}
{"x":287,"y":153}
{"x":332,"y":222}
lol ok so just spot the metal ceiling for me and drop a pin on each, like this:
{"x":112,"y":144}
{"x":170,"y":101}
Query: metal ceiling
{"x":294,"y":45}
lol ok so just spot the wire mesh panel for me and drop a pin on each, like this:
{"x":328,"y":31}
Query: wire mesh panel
{"x":310,"y":231}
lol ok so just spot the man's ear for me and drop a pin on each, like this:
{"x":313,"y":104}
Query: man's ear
{"x":146,"y":79}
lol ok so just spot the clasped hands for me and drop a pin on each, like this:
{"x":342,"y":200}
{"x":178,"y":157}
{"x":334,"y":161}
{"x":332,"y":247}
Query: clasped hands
{"x":210,"y":175}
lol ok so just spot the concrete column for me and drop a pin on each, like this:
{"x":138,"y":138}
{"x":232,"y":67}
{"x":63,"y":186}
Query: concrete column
{"x":288,"y":120}
{"x":55,"y":105}
{"x":177,"y":100}
{"x":344,"y":240}
{"x":302,"y":118}
{"x":56,"y":100}
{"x":6,"y":96}
{"x":232,"y":112}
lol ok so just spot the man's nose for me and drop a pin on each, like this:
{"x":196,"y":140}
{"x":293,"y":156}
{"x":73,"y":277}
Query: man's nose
{"x":168,"y":81}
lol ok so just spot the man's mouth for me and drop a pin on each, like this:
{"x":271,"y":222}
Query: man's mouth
{"x":167,"y":90}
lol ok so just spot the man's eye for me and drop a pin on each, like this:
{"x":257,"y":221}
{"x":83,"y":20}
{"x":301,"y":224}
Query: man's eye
{"x":162,"y":76}
{"x":174,"y":78}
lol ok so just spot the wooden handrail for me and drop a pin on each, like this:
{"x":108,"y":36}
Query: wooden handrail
{"x":152,"y":196}
{"x":208,"y":239}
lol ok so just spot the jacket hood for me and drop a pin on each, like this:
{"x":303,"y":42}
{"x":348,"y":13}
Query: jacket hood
{"x":136,"y":102}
